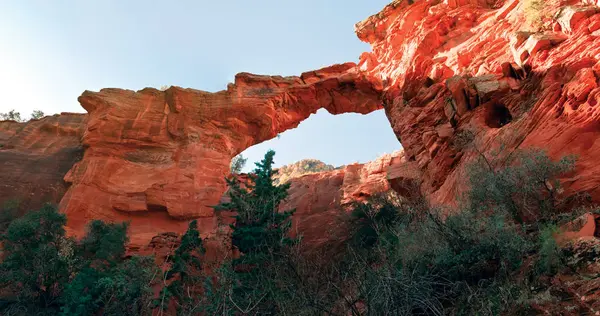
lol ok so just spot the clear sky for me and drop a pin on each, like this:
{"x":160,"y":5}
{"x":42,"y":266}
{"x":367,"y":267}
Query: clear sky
{"x":51,"y":51}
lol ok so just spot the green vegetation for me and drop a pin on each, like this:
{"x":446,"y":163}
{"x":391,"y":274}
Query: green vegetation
{"x":43,"y":272}
{"x":184,"y":274}
{"x":260,"y":233}
{"x":412,"y":259}
{"x":13,"y":115}
{"x":37,"y":114}
{"x":493,"y":255}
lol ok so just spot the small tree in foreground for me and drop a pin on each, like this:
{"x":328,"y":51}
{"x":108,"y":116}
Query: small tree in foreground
{"x":104,"y":280}
{"x":184,"y":274}
{"x":46,"y":273}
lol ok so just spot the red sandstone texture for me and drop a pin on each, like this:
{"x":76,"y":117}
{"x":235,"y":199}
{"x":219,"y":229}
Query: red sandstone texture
{"x":153,"y":157}
{"x":35,"y":156}
{"x":455,"y":67}
{"x":320,"y":198}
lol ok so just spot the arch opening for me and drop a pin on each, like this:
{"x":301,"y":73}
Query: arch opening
{"x":335,"y":140}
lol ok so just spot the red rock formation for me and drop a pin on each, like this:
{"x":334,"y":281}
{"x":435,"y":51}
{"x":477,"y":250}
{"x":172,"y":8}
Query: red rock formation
{"x":299,"y":168}
{"x":451,"y":68}
{"x":156,"y":155}
{"x":35,"y":156}
{"x":319,"y":198}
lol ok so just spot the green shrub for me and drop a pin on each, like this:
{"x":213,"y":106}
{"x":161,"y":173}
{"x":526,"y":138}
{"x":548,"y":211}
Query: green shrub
{"x":34,"y":267}
{"x":525,"y":187}
{"x":46,"y":273}
{"x":550,"y":257}
{"x":413,"y":259}
{"x":104,"y":281}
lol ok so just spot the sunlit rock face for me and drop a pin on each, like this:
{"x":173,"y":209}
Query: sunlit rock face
{"x":163,"y":155}
{"x":454,"y":68}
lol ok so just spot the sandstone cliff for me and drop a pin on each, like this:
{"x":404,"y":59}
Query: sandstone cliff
{"x":452,"y":68}
{"x":35,"y":156}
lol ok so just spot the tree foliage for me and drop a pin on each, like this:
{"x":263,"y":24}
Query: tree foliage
{"x":35,"y":266}
{"x":184,"y":274}
{"x":490,"y":256}
{"x":237,"y":164}
{"x":37,"y":114}
{"x":52,"y":274}
{"x":13,"y":115}
{"x":260,"y":233}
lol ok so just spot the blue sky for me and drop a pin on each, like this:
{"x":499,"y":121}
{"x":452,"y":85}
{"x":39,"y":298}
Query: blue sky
{"x":51,"y":51}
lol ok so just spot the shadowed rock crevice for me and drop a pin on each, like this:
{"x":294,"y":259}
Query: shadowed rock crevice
{"x":497,"y":115}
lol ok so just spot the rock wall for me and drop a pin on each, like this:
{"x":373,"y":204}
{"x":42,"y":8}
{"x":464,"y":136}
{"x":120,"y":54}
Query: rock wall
{"x":454,"y":68}
{"x":35,"y":156}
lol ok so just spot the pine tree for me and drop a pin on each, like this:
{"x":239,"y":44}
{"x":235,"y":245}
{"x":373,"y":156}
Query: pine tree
{"x":260,"y":233}
{"x":184,"y":273}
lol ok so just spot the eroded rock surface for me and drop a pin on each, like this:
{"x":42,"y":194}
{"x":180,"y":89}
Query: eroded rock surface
{"x":455,"y":68}
{"x":153,"y":156}
{"x":35,"y":156}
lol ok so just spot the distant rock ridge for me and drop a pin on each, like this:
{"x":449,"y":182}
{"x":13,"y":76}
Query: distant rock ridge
{"x":300,"y":168}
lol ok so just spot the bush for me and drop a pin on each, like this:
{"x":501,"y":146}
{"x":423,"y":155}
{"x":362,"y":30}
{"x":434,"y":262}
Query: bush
{"x":37,"y":114}
{"x":12,"y":115}
{"x":104,"y":280}
{"x":407,"y":258}
{"x":35,"y":267}
{"x":526,"y":187}
{"x":44,"y":272}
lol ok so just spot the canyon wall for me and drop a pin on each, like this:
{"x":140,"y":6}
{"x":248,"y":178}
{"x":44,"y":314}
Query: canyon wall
{"x":478,"y":70}
{"x":35,"y":156}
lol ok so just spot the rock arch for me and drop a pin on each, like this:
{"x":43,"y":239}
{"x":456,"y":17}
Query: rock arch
{"x":153,"y":151}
